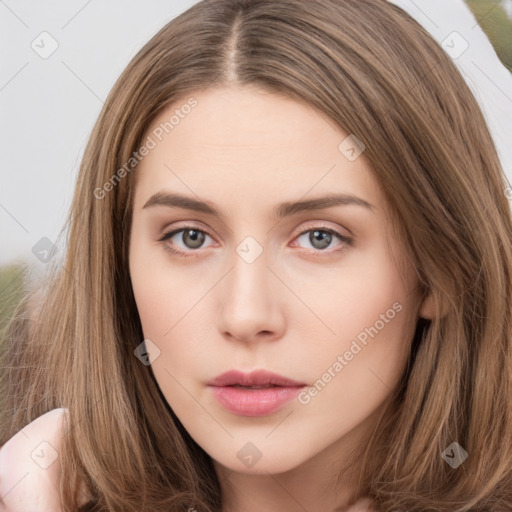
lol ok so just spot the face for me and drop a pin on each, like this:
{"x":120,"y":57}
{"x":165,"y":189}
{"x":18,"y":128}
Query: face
{"x":250,"y":281}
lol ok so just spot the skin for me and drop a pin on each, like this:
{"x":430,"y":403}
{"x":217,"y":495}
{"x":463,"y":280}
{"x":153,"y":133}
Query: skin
{"x":30,"y":466}
{"x":292,"y":311}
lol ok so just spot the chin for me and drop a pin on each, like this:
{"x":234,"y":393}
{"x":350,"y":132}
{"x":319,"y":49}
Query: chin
{"x":274,"y":463}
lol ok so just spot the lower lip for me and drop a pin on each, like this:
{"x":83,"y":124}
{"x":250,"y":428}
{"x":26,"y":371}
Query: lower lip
{"x":254,"y":402}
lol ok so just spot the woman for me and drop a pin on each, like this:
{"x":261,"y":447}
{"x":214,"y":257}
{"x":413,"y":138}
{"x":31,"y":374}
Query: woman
{"x":287,"y":282}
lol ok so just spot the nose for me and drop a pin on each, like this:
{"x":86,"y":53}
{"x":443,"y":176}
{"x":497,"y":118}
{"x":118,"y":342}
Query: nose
{"x":250,"y":301}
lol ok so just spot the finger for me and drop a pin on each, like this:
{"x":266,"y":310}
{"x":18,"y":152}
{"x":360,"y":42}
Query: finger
{"x":30,"y":466}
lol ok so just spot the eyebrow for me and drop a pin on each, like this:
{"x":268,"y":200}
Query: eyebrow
{"x":174,"y":200}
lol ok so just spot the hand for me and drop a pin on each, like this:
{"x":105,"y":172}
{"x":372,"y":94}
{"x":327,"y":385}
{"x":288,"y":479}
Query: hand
{"x":30,"y":469}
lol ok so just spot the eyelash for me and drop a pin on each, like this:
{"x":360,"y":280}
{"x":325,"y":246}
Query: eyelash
{"x":190,"y":254}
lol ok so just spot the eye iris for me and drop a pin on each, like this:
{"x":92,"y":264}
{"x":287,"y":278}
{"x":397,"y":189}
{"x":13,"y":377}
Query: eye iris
{"x":193,"y":238}
{"x":322,"y":237}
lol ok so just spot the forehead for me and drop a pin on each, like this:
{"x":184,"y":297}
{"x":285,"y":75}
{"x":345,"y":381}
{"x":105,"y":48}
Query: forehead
{"x":249,"y":143}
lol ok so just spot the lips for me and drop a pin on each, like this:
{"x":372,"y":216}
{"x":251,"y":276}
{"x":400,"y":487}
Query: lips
{"x":259,"y":393}
{"x":256,"y":379}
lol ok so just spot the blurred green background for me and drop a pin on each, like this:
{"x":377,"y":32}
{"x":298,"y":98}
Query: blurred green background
{"x":495,"y":18}
{"x":12,"y":288}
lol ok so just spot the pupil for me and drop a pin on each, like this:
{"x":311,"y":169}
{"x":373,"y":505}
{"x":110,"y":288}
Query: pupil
{"x":195,"y":238}
{"x":320,"y":239}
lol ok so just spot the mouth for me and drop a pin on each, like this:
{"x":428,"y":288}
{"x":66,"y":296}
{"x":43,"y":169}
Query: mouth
{"x":259,"y":393}
{"x":255,"y":379}
{"x":253,"y":387}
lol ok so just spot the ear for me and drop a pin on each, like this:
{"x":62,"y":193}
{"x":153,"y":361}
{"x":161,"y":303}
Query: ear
{"x":427,"y":308}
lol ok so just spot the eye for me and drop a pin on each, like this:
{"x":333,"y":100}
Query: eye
{"x":321,"y":238}
{"x":191,"y":239}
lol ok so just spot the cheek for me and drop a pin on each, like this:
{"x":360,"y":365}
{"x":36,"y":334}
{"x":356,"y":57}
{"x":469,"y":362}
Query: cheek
{"x":168,"y":301}
{"x":353,"y":372}
{"x":354,"y":294}
{"x":370,"y":313}
{"x":161,"y":291}
{"x":165,"y":316}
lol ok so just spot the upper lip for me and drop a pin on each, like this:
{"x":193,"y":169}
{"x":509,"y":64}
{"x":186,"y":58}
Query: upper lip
{"x":254,"y":378}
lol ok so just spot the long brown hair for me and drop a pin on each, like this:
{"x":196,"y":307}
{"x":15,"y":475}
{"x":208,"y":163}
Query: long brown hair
{"x":376,"y":73}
